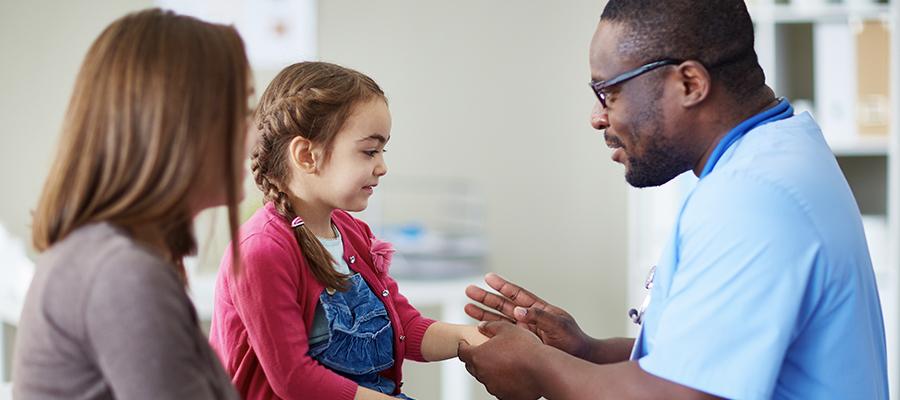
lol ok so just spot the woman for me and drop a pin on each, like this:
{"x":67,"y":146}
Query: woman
{"x":155,"y":133}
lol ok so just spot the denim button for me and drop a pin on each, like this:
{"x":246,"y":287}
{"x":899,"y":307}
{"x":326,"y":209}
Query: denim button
{"x":402,"y":338}
{"x":385,"y":293}
{"x":352,"y":259}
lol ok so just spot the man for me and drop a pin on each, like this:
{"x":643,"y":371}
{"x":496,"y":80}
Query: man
{"x":766,"y":289}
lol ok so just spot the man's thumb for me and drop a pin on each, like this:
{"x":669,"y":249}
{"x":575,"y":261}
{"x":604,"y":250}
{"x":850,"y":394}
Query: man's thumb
{"x":491,"y":329}
{"x":532,"y":315}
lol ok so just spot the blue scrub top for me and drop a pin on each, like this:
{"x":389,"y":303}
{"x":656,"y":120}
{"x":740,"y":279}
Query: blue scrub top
{"x":766,"y":289}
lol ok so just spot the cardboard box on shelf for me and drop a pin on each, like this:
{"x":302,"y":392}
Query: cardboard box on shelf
{"x":872,"y":41}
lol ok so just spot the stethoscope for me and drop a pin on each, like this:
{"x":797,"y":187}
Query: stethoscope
{"x":780,"y":111}
{"x":637,"y":314}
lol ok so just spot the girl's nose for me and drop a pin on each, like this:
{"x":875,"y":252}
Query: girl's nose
{"x":381,"y":169}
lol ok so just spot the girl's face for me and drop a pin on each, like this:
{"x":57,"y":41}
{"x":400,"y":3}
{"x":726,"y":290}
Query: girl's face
{"x":349,"y":176}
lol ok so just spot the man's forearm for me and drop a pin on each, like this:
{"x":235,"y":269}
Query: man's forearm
{"x":563,"y":377}
{"x":608,"y":351}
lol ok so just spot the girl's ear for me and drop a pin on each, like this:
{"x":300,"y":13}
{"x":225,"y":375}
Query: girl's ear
{"x":303,"y":155}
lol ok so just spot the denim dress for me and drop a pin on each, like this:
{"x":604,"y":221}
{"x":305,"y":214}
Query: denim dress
{"x":359,"y":340}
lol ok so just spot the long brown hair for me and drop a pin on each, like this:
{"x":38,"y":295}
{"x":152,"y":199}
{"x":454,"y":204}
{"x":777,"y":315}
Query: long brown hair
{"x":157,"y":93}
{"x":312,"y":100}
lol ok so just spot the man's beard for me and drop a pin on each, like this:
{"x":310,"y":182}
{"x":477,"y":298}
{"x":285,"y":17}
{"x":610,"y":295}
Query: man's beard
{"x":661,"y":162}
{"x":662,"y":159}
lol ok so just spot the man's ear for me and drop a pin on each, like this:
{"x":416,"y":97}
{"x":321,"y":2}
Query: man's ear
{"x":695,"y":83}
{"x":302,"y":155}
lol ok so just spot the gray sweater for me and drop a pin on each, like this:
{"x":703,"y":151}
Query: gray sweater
{"x":106,"y":318}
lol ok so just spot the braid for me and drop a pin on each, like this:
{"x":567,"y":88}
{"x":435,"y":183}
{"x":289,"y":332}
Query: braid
{"x":261,"y":164}
{"x":269,"y":190}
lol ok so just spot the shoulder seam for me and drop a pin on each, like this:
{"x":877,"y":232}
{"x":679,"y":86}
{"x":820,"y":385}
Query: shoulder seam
{"x":782,"y":190}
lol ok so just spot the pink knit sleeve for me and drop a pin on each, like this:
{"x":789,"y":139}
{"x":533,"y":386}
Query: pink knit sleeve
{"x":414,"y":324}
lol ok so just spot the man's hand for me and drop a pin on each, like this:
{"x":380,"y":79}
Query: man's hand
{"x":553,"y":325}
{"x":504,"y":363}
{"x":514,"y":365}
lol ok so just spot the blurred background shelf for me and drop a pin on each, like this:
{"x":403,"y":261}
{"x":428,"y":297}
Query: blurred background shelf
{"x":819,"y":12}
{"x":856,"y":147}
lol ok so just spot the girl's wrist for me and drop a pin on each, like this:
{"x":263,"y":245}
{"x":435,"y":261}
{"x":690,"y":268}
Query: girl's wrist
{"x":472,"y":335}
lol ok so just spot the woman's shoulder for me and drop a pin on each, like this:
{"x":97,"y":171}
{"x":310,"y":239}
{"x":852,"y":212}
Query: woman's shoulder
{"x":102,"y":248}
{"x":100,"y":265}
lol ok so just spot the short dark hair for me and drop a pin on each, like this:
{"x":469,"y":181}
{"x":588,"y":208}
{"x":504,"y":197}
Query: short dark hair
{"x":717,"y":33}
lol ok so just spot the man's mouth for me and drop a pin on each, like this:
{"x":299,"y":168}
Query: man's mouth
{"x":618,"y":155}
{"x":613,"y":142}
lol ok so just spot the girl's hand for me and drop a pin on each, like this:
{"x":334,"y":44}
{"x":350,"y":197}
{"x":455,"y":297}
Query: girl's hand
{"x":442,"y":340}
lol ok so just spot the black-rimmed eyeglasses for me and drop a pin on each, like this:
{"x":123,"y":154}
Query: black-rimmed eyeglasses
{"x":601,"y":86}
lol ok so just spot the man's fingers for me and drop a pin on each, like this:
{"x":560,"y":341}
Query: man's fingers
{"x":535,"y":316}
{"x":471,"y":370}
{"x":511,"y":291}
{"x":475,"y":293}
{"x":464,"y":352}
{"x":491,"y":300}
{"x":481,"y":314}
{"x":484,"y":297}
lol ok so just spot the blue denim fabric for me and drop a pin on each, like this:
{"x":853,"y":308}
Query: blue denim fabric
{"x":361,"y":342}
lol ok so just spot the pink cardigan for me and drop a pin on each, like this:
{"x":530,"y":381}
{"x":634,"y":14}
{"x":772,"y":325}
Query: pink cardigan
{"x":261,"y":316}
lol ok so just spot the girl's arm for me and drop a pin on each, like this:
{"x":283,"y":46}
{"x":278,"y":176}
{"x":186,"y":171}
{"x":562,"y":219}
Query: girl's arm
{"x":442,"y":339}
{"x":369,"y":394}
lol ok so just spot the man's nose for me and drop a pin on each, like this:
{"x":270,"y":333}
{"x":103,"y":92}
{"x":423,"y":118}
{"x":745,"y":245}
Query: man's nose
{"x":599,"y":117}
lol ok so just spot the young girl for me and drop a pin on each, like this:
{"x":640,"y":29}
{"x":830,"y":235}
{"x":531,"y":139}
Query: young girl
{"x":312,"y":312}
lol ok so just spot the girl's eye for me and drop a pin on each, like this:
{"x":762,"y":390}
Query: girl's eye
{"x":372,"y":153}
